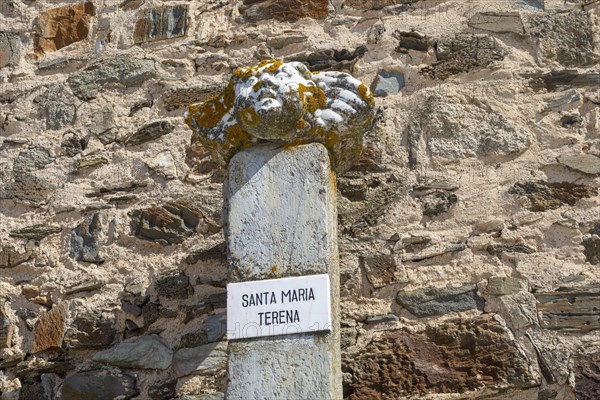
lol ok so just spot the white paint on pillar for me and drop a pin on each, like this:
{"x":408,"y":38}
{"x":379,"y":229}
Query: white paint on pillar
{"x":281,"y":220}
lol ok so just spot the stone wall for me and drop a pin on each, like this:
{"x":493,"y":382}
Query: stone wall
{"x":469,"y":230}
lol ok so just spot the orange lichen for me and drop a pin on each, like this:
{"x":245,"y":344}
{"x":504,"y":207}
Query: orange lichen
{"x":229,"y":95}
{"x":300,"y":124}
{"x":249,"y":116}
{"x":313,"y":97}
{"x":365,"y":94}
{"x":271,"y":65}
{"x":207,"y":114}
{"x":236,"y":136}
{"x":331,"y":139}
{"x":257,"y":86}
{"x":244,"y":72}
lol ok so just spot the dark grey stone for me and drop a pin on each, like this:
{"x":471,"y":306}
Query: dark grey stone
{"x":36,"y":232}
{"x":145,"y":352}
{"x":193,"y":339}
{"x":149,"y":132}
{"x":31,"y":160}
{"x":90,"y":331}
{"x":86,"y":239}
{"x":98,"y":385}
{"x":74,"y":145}
{"x":162,"y":390}
{"x":216,"y":327}
{"x":570,"y":120}
{"x":10,"y":49}
{"x":498,"y":249}
{"x":174,"y":286}
{"x":203,"y":360}
{"x":131,"y":308}
{"x":437,"y":202}
{"x":387,"y":83}
{"x":411,"y":40}
{"x":170,"y":223}
{"x":218,"y":300}
{"x":377,"y":319}
{"x":124,"y":70}
{"x":440,"y":301}
{"x":592,"y":250}
{"x":60,"y":114}
{"x":533,"y":5}
{"x":331,"y":59}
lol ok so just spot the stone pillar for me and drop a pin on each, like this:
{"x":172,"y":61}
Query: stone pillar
{"x":280,"y":218}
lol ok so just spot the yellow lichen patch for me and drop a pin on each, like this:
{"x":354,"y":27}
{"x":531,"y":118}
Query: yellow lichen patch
{"x":300,"y":124}
{"x":313,"y":97}
{"x":257,"y":86}
{"x":365,"y":94}
{"x":249,"y":116}
{"x":274,"y":268}
{"x":236,"y":136}
{"x":331,"y":139}
{"x":228,"y":95}
{"x":207,"y":114}
{"x":244,"y":72}
{"x":271,"y":65}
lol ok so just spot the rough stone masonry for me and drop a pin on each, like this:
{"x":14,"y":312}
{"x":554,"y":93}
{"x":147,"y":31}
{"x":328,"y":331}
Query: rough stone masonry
{"x":468,"y":229}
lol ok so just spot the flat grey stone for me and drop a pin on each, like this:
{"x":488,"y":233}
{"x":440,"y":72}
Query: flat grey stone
{"x":216,"y":327}
{"x":98,"y":385}
{"x":501,"y":285}
{"x":145,"y":352}
{"x":31,"y":160}
{"x":586,"y":163}
{"x":125,"y":70}
{"x":103,"y":124}
{"x":387,"y":83}
{"x":10,"y":49}
{"x":36,"y":232}
{"x":89,"y":331}
{"x":149,"y":132}
{"x":498,"y":22}
{"x":440,"y":301}
{"x":377,"y":319}
{"x":204,"y":360}
{"x":533,"y":5}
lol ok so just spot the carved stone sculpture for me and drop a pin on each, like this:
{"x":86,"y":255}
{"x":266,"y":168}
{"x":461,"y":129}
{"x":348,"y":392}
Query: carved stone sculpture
{"x":287,"y":103}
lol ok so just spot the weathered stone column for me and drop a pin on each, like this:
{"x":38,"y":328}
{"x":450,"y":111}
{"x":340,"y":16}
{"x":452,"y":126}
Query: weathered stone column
{"x":281,"y":221}
{"x":283,"y":131}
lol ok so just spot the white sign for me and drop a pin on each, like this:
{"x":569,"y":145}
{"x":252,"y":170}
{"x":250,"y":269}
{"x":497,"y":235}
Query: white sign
{"x":278,"y":306}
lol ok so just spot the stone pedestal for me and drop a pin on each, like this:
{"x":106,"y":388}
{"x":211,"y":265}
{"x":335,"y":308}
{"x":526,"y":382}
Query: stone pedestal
{"x":280,"y":221}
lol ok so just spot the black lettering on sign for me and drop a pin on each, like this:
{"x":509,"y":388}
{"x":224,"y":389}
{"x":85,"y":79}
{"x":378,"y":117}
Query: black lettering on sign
{"x":278,"y":317}
{"x":258,"y":299}
{"x":295,"y":295}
